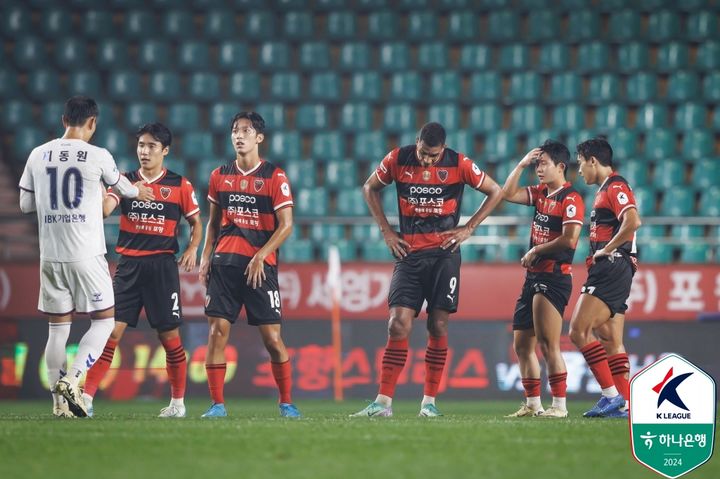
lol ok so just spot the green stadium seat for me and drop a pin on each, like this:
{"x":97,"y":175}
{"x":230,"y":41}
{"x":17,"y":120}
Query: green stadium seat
{"x":193,"y":56}
{"x":574,"y":137}
{"x":715,"y":122}
{"x":394,"y":56}
{"x":475,"y":57}
{"x":553,"y":57}
{"x":347,"y":248}
{"x":632,"y":57}
{"x":285,"y":145}
{"x":354,"y":56}
{"x":682,"y":86}
{"x":382,"y":25}
{"x":232,"y":56}
{"x":470,"y":253}
{"x":328,"y":145}
{"x":273,"y":114}
{"x":399,"y":118}
{"x":603,"y":89}
{"x":669,"y":174}
{"x":85,"y":82}
{"x":671,"y":57}
{"x":408,"y":138}
{"x":624,"y":25}
{"x":565,"y":88}
{"x":471,"y":200}
{"x":447,"y":114}
{"x":311,"y":202}
{"x":679,"y":202}
{"x":164,"y":86}
{"x":646,"y":198}
{"x":568,"y":117}
{"x":660,"y":144}
{"x":111,"y":55}
{"x":688,"y":232}
{"x":663,"y":26}
{"x":138,"y":114}
{"x":260,"y":25}
{"x":314,"y":56}
{"x":708,"y":56}
{"x":245,"y":86}
{"x":651,"y":116}
{"x":370,"y":145}
{"x":274,"y":56}
{"x":527,"y":118}
{"x":583,"y":26}
{"x":301,"y":173}
{"x":695,"y":253}
{"x":701,"y":26}
{"x":17,"y":114}
{"x":341,"y":25}
{"x":634,"y":171}
{"x":154,"y":55}
{"x":297,"y":251}
{"x":593,"y":57}
{"x":115,"y":141}
{"x":375,"y":251}
{"x":461,"y":141}
{"x":341,"y":174}
{"x":29,"y":53}
{"x":97,"y":24}
{"x":432,"y":56}
{"x":284,"y":86}
{"x":649,"y":6}
{"x":198,"y":145}
{"x":690,"y":116}
{"x":138,"y":23}
{"x":422,"y":25}
{"x":511,"y":253}
{"x":706,"y":173}
{"x":220,"y":25}
{"x":176,"y":165}
{"x":538,"y":137}
{"x":203,"y":168}
{"x":503,"y":26}
{"x":710,"y":202}
{"x":609,"y":117}
{"x":204,"y":87}
{"x":485,"y":87}
{"x":647,"y":232}
{"x":640,"y":88}
{"x":298,"y":25}
{"x":514,"y":57}
{"x":485,"y":118}
{"x":624,"y":143}
{"x":711,"y":87}
{"x":390,"y":202}
{"x":461,"y":26}
{"x":500,"y":145}
{"x":365,"y":86}
{"x":356,"y":117}
{"x":363,"y":233}
{"x":70,"y":53}
{"x":452,"y":5}
{"x":288,"y":4}
{"x":323,"y":232}
{"x":25,"y":140}
{"x":655,"y":252}
{"x":312,"y":117}
{"x":329,"y":5}
{"x":183,"y":117}
{"x":325,"y":87}
{"x":697,"y":144}
{"x":542,"y":25}
{"x":582,"y":251}
{"x":15,"y":21}
{"x":52,"y":112}
{"x":445,"y":86}
{"x":411,"y":5}
{"x":524,"y":87}
{"x":350,"y":202}
{"x":42,"y":85}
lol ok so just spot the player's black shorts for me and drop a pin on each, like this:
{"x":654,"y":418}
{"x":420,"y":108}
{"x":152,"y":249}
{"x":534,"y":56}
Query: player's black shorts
{"x":228,"y":292}
{"x":152,"y":282}
{"x":610,"y":281}
{"x":432,"y":275}
{"x":555,"y":287}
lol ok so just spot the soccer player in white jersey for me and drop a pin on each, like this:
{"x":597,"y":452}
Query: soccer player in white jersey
{"x":63,"y":182}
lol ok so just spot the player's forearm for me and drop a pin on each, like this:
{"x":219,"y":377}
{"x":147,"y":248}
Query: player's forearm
{"x":494,"y":197}
{"x":627,"y":230}
{"x":276,"y":240}
{"x":211,"y":234}
{"x":27,"y":202}
{"x":195,"y":232}
{"x":372,"y":198}
{"x":511,"y":186}
{"x":126,"y":189}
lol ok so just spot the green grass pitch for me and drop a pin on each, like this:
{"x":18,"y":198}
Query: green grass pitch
{"x":472,"y":440}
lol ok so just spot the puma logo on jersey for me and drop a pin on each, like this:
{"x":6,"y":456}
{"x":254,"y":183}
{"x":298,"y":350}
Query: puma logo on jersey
{"x":229,"y":182}
{"x":408,"y":173}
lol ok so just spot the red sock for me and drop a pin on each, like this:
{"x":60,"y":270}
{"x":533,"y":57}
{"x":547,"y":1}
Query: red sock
{"x":216,"y":381}
{"x":596,"y":357}
{"x":532,"y":387}
{"x":558,"y":385}
{"x":620,"y":369}
{"x":393,"y":363}
{"x":282,"y":372}
{"x":176,"y":366}
{"x":97,"y":372}
{"x":435,"y":356}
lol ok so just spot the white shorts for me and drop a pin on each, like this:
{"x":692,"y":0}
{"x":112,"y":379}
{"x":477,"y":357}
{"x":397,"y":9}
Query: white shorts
{"x":83,"y":286}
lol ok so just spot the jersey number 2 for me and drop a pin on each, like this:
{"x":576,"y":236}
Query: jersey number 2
{"x":67,"y":201}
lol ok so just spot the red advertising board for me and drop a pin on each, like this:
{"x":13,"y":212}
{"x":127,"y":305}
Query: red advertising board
{"x":487,"y":292}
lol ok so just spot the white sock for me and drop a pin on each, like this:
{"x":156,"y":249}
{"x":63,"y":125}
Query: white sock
{"x":533,"y":402}
{"x":177,"y":402}
{"x":610,"y":392}
{"x":91,"y":347}
{"x":55,"y":356}
{"x":559,"y":403}
{"x":384,"y":400}
{"x":87,"y":399}
{"x":427,"y":400}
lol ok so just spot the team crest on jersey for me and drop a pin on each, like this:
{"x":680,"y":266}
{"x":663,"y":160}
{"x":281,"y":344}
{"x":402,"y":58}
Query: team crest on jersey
{"x":258,"y":185}
{"x":243,"y":184}
{"x":165,"y":192}
{"x":426,"y":175}
{"x":443,"y":175}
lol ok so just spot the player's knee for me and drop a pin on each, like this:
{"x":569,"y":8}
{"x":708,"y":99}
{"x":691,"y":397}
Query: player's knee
{"x":578,"y":336}
{"x":398,"y":329}
{"x":274,"y":345}
{"x":522,"y":349}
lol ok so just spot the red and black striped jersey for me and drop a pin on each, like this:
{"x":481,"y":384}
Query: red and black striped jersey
{"x":612,"y":200}
{"x":429,"y":198}
{"x":553,"y":210}
{"x":249,"y":200}
{"x":150,"y":227}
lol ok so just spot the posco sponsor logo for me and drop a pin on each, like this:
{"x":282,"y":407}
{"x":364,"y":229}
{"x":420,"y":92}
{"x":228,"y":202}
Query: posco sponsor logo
{"x":542,"y":218}
{"x":426,"y":190}
{"x":148,"y":205}
{"x":243,"y":199}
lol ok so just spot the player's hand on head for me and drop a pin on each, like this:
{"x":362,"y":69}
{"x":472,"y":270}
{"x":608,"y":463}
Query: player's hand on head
{"x":531,"y":156}
{"x":452,"y":238}
{"x":145,"y":193}
{"x":255,"y":272}
{"x":398,"y":246}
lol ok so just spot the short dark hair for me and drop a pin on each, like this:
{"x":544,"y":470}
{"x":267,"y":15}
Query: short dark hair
{"x":158,"y":131}
{"x":597,"y":147}
{"x":432,"y":134}
{"x":78,"y":109}
{"x":255,"y":118}
{"x":558,"y":152}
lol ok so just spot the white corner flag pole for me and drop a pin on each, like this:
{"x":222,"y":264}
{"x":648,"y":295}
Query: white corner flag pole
{"x":334,"y":285}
